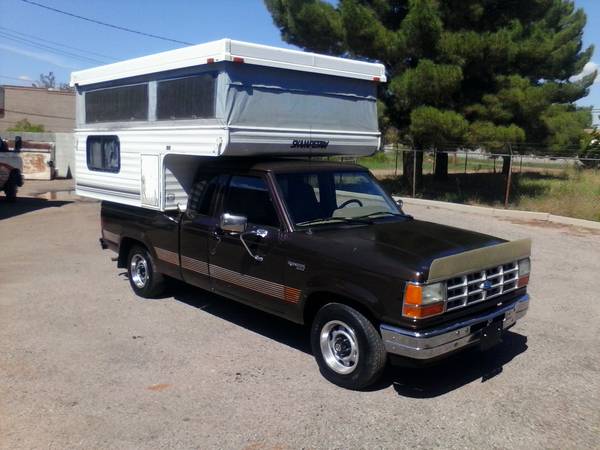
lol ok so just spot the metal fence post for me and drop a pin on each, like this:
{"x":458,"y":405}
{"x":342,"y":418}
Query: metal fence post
{"x":396,"y":167}
{"x":466,"y":159}
{"x":521,"y":165}
{"x":508,"y":178}
{"x":414,"y":178}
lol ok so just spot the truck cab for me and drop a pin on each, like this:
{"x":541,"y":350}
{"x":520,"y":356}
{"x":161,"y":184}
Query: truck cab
{"x":321,"y":243}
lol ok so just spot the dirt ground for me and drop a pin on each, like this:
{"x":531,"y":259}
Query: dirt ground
{"x":84,"y":363}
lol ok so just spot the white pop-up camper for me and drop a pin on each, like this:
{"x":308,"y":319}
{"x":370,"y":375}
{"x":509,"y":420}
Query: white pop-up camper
{"x":142,"y":123}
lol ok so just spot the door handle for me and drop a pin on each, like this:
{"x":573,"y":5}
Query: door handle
{"x":261,"y":233}
{"x":216,"y":235}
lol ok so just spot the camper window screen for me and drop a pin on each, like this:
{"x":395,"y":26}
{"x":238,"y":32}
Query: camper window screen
{"x":186,"y":98}
{"x":118,"y":104}
{"x":103,"y":153}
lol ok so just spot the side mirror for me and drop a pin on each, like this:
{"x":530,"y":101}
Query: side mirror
{"x":232,"y":223}
{"x":400,"y":203}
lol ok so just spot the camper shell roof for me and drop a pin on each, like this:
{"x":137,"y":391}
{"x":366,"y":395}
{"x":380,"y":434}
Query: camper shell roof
{"x":233,"y":51}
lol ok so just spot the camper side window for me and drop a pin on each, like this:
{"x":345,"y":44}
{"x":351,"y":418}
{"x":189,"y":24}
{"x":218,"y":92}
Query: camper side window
{"x":103,"y":153}
{"x":123,"y":103}
{"x":186,"y":98}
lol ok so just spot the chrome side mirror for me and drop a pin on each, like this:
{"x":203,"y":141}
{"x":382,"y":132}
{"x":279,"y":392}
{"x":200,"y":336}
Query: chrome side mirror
{"x":232,"y":223}
{"x":400,"y":204}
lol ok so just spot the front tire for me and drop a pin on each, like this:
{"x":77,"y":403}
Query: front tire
{"x":347,"y":347}
{"x":144,"y":279}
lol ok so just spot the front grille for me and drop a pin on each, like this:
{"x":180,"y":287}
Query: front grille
{"x":482,"y":285}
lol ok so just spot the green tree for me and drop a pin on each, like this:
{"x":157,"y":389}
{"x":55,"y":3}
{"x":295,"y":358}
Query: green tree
{"x":25,"y":125}
{"x":499,"y":70}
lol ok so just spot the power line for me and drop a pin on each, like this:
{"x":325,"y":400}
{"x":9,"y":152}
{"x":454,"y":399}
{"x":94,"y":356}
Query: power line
{"x":15,"y":78}
{"x":117,"y":27}
{"x":44,"y":40}
{"x":49,"y":48}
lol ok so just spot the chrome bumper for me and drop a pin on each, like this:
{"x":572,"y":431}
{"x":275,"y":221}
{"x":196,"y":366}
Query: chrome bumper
{"x":438,"y":341}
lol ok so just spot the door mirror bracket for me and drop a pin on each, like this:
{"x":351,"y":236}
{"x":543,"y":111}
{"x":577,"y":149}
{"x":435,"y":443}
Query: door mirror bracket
{"x":261,"y":233}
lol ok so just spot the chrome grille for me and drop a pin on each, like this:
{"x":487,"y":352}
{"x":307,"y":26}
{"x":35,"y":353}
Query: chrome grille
{"x":482,"y":285}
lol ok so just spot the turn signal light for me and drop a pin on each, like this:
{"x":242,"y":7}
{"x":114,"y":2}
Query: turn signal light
{"x":523,"y":281}
{"x":422,"y":301}
{"x":420,"y":312}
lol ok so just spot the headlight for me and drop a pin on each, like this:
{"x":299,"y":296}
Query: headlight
{"x":524,"y":269}
{"x":424,"y":300}
{"x":433,"y":293}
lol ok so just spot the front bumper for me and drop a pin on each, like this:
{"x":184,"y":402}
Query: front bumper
{"x":449,"y":338}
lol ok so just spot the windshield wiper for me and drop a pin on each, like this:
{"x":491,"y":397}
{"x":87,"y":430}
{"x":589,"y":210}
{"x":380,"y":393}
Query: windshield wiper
{"x":380,"y":213}
{"x":333,"y":219}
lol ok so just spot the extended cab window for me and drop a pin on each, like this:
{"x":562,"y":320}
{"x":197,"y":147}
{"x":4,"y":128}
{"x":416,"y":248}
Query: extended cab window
{"x":202,"y":194}
{"x":103,"y":153}
{"x":249,"y":196}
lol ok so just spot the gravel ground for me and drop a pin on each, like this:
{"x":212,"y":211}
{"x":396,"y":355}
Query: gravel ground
{"x":86,"y":364}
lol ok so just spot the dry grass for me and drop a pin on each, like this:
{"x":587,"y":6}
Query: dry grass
{"x":575,"y":195}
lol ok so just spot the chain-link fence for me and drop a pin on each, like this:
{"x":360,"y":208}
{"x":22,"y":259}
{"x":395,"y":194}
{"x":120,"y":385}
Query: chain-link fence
{"x":559,"y":185}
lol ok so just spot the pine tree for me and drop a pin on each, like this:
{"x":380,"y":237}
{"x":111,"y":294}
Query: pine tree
{"x":480,"y":73}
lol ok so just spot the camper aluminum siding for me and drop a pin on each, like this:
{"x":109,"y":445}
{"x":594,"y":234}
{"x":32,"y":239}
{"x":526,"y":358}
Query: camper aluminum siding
{"x":266,"y":101}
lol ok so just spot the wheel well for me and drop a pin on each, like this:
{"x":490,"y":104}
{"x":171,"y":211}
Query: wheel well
{"x":317,"y":300}
{"x":124,"y":248}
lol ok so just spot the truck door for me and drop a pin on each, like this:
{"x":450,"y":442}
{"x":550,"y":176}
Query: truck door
{"x":256,"y":278}
{"x":199,"y":227}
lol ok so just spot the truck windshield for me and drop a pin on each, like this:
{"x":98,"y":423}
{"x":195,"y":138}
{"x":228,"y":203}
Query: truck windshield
{"x":334,"y":196}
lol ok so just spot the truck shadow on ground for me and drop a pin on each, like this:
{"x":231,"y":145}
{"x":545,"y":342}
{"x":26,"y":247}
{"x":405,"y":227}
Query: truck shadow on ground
{"x":24,"y":205}
{"x":418,"y":382}
{"x":455,"y":371}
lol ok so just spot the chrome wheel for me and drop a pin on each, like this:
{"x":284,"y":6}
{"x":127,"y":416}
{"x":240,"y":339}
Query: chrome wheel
{"x":139,"y":270}
{"x":339,"y":347}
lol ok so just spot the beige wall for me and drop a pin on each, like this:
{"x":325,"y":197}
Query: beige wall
{"x":53,"y":109}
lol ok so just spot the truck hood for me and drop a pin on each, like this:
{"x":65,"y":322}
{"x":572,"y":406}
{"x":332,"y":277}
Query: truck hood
{"x":401,"y":248}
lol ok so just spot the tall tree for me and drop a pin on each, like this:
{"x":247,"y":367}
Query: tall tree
{"x":48,"y":81}
{"x":483,"y":73}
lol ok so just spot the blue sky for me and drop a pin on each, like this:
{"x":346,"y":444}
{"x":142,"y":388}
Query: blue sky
{"x":187,"y":20}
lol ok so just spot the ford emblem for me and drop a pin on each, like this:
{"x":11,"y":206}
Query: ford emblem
{"x":486,"y":285}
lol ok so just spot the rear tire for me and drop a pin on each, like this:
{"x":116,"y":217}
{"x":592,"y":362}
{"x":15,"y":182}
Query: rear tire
{"x":11,"y":187}
{"x":347,"y":347}
{"x":144,"y":279}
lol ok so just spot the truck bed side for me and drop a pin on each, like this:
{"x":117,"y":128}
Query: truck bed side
{"x":125,"y":226}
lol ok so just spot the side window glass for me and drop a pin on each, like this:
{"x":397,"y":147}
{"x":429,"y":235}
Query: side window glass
{"x":123,"y":103}
{"x":103,"y":153}
{"x":202,"y":194}
{"x":249,"y":196}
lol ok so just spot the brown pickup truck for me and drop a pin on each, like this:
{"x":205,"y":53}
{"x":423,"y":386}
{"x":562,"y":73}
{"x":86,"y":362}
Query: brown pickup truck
{"x":322,"y":244}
